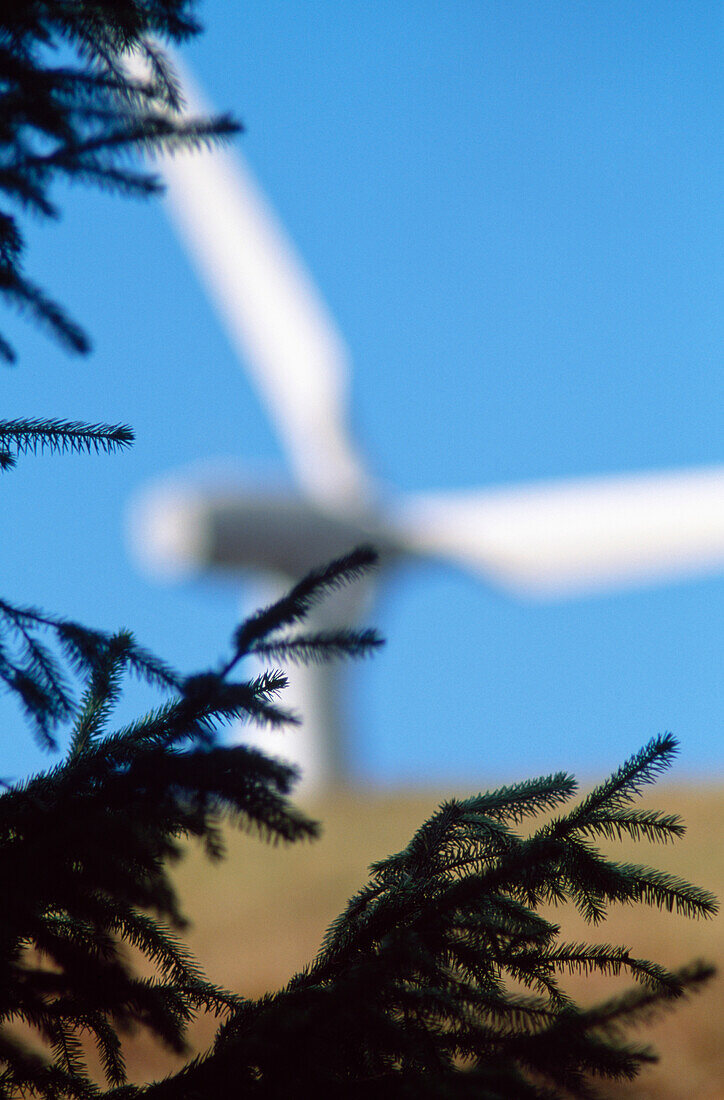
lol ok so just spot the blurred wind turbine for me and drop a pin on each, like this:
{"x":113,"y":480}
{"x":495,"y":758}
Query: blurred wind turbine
{"x":543,"y":540}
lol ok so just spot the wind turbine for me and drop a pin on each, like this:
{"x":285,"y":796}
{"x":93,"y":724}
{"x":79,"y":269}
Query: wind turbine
{"x":539,"y":540}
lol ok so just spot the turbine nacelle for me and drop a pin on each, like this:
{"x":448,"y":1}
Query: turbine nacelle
{"x":178,"y":531}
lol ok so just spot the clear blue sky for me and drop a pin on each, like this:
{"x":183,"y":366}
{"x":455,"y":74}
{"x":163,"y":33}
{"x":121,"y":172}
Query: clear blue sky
{"x":512,"y":210}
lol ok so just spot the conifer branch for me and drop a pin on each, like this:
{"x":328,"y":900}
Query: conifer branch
{"x":37,"y":681}
{"x":28,"y":297}
{"x":294,"y":607}
{"x":647,"y":1003}
{"x":648,"y":825}
{"x":62,"y":436}
{"x":87,"y":844}
{"x":81,"y":120}
{"x":100,"y":696}
{"x":628,"y":781}
{"x":445,"y":924}
{"x":319,"y":648}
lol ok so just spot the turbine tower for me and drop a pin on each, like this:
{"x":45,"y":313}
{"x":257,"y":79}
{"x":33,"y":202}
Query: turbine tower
{"x":538,"y":540}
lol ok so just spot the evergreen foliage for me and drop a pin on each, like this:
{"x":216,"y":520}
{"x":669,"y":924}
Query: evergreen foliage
{"x":69,"y":110}
{"x":85,"y":846}
{"x":442,"y":977}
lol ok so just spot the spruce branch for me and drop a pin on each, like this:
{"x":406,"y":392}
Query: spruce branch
{"x":62,"y":436}
{"x":100,"y":696}
{"x":83,"y":121}
{"x":320,"y":647}
{"x":648,"y":825}
{"x":444,"y":927}
{"x":293,"y":608}
{"x":87,"y":844}
{"x":35,"y":677}
{"x":649,"y":1002}
{"x":27,"y":297}
{"x":628,"y":781}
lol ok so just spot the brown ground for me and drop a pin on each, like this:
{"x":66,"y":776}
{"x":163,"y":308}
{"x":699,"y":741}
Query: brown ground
{"x":260,"y":915}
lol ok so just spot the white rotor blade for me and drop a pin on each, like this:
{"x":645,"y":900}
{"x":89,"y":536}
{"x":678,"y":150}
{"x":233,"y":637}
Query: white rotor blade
{"x":272,"y":313}
{"x":570,"y":537}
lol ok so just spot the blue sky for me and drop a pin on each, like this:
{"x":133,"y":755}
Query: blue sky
{"x":512,"y":210}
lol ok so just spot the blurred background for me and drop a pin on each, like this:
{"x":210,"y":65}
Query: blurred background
{"x":512,"y":213}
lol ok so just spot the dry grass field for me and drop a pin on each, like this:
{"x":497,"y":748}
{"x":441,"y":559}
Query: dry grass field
{"x":260,"y":915}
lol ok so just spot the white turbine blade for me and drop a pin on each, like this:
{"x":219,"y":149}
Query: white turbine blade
{"x":577,"y":536}
{"x":272,"y":313}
